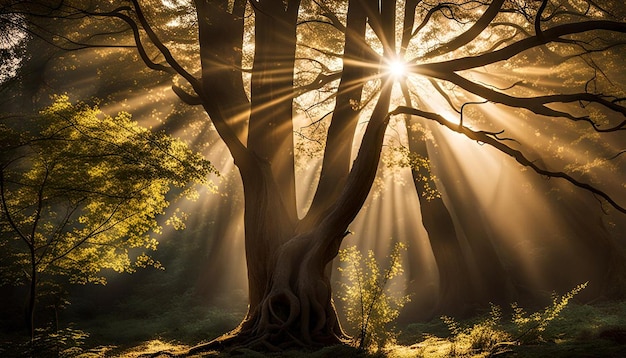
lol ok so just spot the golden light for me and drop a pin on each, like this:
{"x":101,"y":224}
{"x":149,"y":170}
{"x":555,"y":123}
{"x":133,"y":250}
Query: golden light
{"x":397,"y":68}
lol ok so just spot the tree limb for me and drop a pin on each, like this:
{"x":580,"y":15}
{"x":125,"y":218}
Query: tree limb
{"x":520,"y":46}
{"x":469,"y":35}
{"x":487,"y":138}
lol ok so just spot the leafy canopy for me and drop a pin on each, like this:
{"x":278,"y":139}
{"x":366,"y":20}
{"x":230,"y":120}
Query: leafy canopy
{"x":84,"y":193}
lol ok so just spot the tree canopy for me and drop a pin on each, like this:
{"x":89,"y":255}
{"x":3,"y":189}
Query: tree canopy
{"x":82,"y":194}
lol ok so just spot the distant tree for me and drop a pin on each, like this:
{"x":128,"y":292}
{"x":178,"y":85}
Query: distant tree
{"x":83,"y":195}
{"x":255,"y":66}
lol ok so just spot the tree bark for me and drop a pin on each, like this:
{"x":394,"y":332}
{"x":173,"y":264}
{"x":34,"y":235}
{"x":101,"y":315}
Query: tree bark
{"x":455,"y":289}
{"x":32,"y":298}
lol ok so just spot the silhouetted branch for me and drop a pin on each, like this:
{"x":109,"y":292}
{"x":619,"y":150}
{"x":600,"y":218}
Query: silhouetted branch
{"x":186,"y":97}
{"x":164,"y":50}
{"x":549,"y":35}
{"x":538,"y":19}
{"x":538,"y":104}
{"x":617,"y":155}
{"x":427,"y":17}
{"x":482,"y":137}
{"x":137,"y":37}
{"x":469,"y":35}
{"x":321,"y":80}
{"x":463,"y":107}
{"x":7,"y":212}
{"x":330,"y":15}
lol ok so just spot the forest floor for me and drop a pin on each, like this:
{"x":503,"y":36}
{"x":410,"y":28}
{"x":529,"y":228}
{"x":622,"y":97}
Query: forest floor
{"x":580,"y":330}
{"x":597,"y":330}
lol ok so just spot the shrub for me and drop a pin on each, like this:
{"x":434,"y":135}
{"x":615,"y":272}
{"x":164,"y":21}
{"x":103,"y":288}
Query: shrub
{"x":531,"y":327}
{"x":370,"y":303}
{"x":488,"y":337}
{"x":484,"y":338}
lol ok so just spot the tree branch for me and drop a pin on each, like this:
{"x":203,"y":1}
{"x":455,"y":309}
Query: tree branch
{"x":7,"y":212}
{"x":538,"y":104}
{"x":164,"y":50}
{"x":487,"y":138}
{"x":469,"y":35}
{"x":520,"y":46}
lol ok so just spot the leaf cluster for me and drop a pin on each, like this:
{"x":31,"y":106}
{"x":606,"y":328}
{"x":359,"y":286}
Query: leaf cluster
{"x":83,"y":193}
{"x":401,"y":156}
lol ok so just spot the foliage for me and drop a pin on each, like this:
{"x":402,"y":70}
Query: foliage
{"x":488,"y":336}
{"x":82,"y":196}
{"x":531,"y":327}
{"x":50,"y":342}
{"x":63,"y":343}
{"x":371,"y":304}
{"x":402,"y":157}
{"x":86,"y":191}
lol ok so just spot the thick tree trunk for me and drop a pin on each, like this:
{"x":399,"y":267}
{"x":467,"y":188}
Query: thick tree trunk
{"x":296,"y":309}
{"x":290,"y":293}
{"x":290,"y":301}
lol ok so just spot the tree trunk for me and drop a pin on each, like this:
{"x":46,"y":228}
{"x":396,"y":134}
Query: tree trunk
{"x":493,"y":282}
{"x":296,"y":309}
{"x":32,"y":300}
{"x":290,"y":301}
{"x":455,"y":289}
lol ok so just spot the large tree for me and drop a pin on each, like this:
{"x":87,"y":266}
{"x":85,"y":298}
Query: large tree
{"x":468,"y":66}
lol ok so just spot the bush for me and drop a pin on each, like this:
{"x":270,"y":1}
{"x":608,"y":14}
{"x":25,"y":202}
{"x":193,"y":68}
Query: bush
{"x":484,"y":338}
{"x":370,"y":304}
{"x":489,"y":337}
{"x":531,"y":327}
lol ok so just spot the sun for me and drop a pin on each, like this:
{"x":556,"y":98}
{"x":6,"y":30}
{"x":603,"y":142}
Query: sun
{"x":397,"y":68}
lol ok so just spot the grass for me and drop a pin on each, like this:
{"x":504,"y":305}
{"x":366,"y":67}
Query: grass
{"x":597,"y":330}
{"x":580,"y":331}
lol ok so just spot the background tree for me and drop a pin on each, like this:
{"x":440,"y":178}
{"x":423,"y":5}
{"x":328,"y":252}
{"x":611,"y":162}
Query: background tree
{"x":248,"y":65}
{"x":83,"y":196}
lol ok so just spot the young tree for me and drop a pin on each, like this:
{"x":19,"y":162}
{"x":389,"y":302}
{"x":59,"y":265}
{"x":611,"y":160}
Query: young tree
{"x":84,"y":195}
{"x":254,"y":66}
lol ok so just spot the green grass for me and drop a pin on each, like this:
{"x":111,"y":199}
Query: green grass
{"x":580,"y":331}
{"x":597,"y":331}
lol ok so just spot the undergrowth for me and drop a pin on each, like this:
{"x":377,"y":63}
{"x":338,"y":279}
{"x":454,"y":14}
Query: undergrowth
{"x":371,"y":304}
{"x":490,"y":336}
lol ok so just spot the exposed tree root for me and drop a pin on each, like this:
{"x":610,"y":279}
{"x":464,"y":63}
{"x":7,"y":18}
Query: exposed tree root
{"x":267,"y":342}
{"x":296,"y":313}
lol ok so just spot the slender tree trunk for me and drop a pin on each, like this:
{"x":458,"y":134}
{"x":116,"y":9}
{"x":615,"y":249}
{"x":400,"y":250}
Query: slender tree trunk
{"x":32,"y":299}
{"x":338,"y":152}
{"x":455,"y":288}
{"x":493,"y":282}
